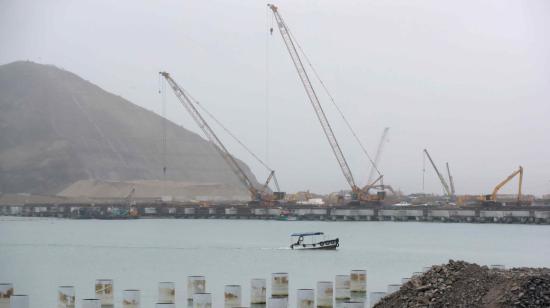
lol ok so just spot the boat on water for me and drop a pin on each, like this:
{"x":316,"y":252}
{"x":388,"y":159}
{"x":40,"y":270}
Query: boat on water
{"x":313,"y":240}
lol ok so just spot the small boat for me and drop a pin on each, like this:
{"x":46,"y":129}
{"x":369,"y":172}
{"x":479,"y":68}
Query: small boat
{"x":315,"y":240}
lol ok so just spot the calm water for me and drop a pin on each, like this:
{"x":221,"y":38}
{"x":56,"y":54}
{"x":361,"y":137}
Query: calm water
{"x":37,"y":255}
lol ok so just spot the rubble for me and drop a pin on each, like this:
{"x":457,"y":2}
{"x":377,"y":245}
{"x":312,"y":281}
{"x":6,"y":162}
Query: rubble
{"x":462,"y":284}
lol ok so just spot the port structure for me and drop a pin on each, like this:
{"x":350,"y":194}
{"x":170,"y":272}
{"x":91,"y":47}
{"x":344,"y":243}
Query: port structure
{"x":358,"y":194}
{"x":258,"y":195}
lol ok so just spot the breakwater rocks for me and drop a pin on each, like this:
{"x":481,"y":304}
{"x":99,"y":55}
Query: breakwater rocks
{"x":462,"y":284}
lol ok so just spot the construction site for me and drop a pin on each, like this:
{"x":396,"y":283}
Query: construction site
{"x":377,"y":200}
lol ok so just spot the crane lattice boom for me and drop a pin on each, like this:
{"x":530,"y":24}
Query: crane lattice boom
{"x":186,"y":100}
{"x":285,"y":33}
{"x":441,"y":178}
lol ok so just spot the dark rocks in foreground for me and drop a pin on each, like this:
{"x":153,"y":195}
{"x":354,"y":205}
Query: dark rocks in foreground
{"x":462,"y":284}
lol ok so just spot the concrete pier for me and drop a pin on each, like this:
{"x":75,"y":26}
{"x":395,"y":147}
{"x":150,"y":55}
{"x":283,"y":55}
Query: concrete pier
{"x":477,"y":214}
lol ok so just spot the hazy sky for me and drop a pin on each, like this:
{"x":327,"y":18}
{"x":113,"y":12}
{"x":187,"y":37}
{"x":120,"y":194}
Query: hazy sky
{"x":469,"y":80}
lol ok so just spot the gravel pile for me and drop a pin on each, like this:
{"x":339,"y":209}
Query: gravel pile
{"x":462,"y":284}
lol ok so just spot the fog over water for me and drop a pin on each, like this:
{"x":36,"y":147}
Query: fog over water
{"x":469,"y":80}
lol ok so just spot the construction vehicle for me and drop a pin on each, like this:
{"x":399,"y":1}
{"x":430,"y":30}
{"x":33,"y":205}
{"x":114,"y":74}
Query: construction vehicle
{"x":259,"y":196}
{"x":448,"y":191}
{"x":492,"y":198}
{"x":357,"y":194}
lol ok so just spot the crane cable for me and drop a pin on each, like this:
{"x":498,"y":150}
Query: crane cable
{"x":334,"y":102}
{"x":196,"y":102}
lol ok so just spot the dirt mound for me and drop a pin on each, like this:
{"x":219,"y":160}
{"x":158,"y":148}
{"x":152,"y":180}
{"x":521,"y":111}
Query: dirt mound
{"x":462,"y":284}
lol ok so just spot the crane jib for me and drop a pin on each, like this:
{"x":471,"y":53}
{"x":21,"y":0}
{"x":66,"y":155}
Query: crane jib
{"x":187,"y":102}
{"x":310,"y":91}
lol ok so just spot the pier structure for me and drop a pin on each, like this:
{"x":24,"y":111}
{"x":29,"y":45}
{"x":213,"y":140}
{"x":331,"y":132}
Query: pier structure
{"x":480,"y":214}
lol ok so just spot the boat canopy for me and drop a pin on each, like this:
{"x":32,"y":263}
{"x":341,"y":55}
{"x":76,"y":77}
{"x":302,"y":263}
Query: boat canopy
{"x":307,"y":234}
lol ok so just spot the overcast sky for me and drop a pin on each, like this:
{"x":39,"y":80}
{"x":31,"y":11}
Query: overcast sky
{"x":469,"y":79}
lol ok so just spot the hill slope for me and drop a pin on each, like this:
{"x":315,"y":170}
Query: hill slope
{"x":57,"y":128}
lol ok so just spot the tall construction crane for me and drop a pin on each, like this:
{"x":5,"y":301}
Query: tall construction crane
{"x":492,"y":198}
{"x":451,"y":181}
{"x":378,"y":155}
{"x":441,"y":178}
{"x":312,"y":95}
{"x":257,"y":195}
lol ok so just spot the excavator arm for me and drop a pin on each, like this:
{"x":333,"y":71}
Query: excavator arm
{"x":508,"y":179}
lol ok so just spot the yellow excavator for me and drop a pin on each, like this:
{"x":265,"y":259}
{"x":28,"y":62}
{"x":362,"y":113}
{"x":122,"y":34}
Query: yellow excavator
{"x":492,"y":198}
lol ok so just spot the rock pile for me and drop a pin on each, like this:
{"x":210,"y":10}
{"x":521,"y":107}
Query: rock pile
{"x":462,"y":284}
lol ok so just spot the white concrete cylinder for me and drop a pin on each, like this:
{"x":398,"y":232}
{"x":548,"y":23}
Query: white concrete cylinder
{"x":353,"y":305}
{"x":279,"y":285}
{"x":358,"y":286}
{"x":258,"y":291}
{"x":66,"y":297}
{"x":405,"y":280}
{"x":189,"y":211}
{"x":202,"y":300}
{"x":91,"y":303}
{"x":277,"y":302}
{"x":341,"y":288}
{"x":305,"y":298}
{"x":131,"y":299}
{"x":6,"y":291}
{"x":165,"y":305}
{"x":19,"y":301}
{"x":393,"y":288}
{"x":324,"y":294}
{"x":104,"y":291}
{"x":375,"y":297}
{"x":167,"y":292}
{"x":497,"y":266}
{"x":358,"y":281}
{"x":232,"y":296}
{"x":195,"y":284}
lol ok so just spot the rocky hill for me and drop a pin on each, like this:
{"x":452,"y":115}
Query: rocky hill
{"x":57,"y":128}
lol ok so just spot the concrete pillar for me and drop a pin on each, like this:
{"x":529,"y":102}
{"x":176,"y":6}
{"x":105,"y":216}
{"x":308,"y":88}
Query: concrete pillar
{"x":131,"y":299}
{"x":66,"y":297}
{"x":279,"y":285}
{"x":277,"y":302}
{"x":19,"y":301}
{"x":195,"y":284}
{"x":167,"y":292}
{"x":91,"y":303}
{"x":497,"y":266}
{"x":358,"y":286}
{"x":341,"y":289}
{"x":258,"y":293}
{"x":6,"y":291}
{"x":305,"y":298}
{"x":232,"y":296}
{"x":375,"y":297}
{"x":202,"y":300}
{"x":324,"y":294}
{"x":104,"y":291}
